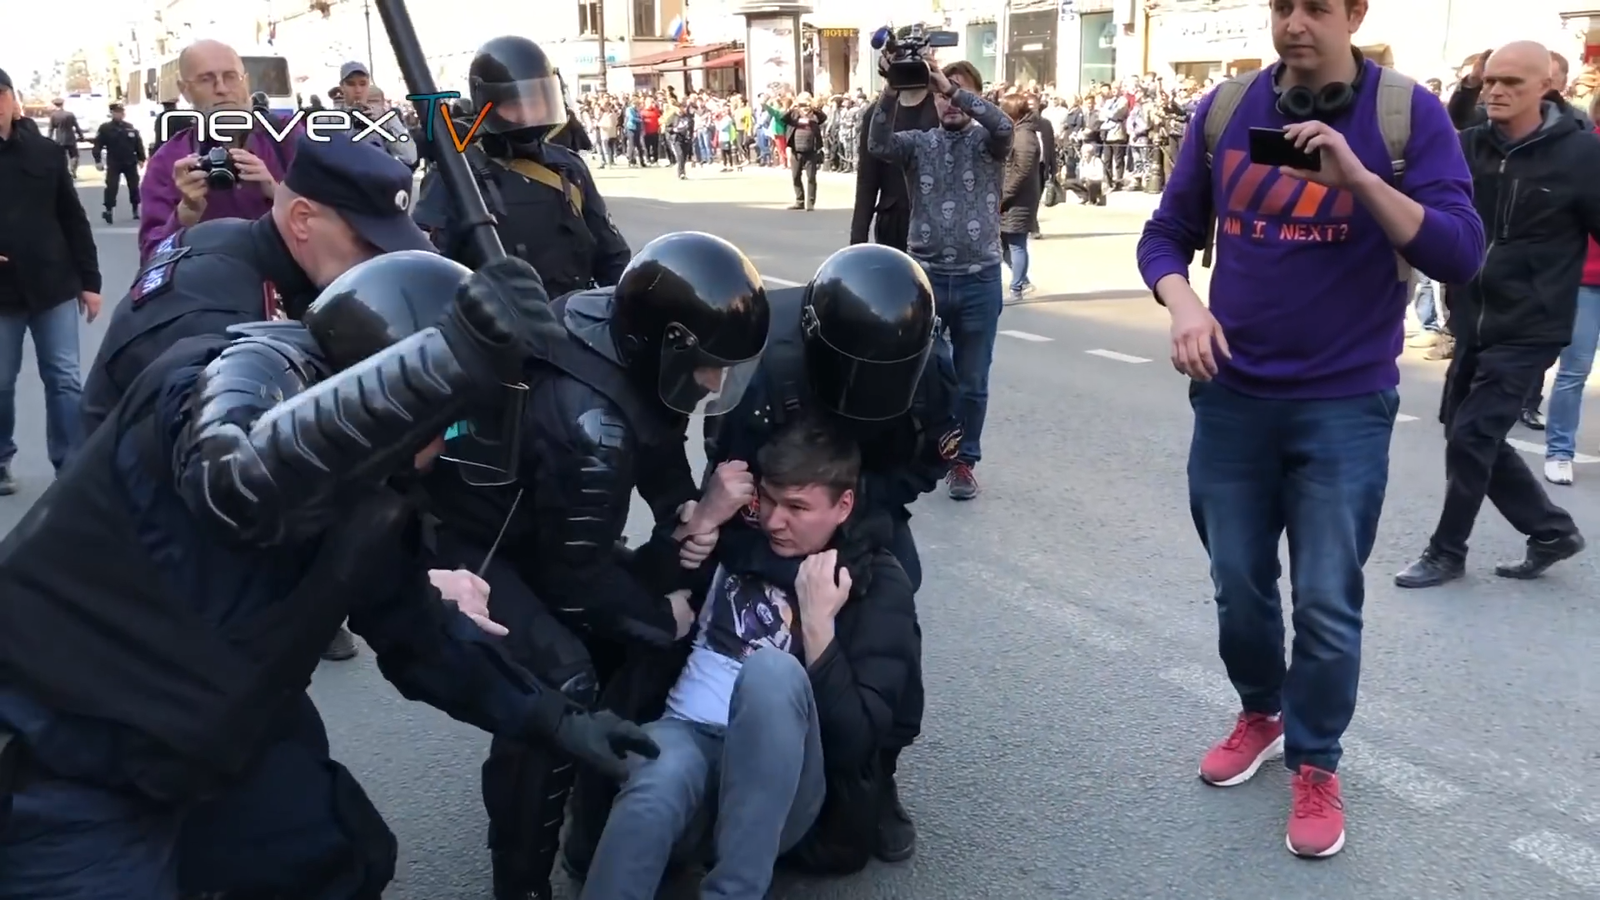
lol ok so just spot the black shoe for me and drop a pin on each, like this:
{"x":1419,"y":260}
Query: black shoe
{"x":106,"y":216}
{"x":511,"y":881}
{"x":1541,"y":556}
{"x":1430,"y":570}
{"x":897,"y":834}
{"x":1533,"y":419}
{"x":798,"y":205}
{"x":342,"y":647}
{"x":8,"y":484}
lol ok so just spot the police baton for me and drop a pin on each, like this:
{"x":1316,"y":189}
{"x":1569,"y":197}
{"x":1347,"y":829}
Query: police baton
{"x":452,"y":166}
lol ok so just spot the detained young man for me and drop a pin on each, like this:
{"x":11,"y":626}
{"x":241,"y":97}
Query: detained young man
{"x":1294,"y":378}
{"x":803,"y":645}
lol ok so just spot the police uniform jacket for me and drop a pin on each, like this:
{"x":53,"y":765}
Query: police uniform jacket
{"x":120,"y":145}
{"x":200,"y":281}
{"x":547,"y":211}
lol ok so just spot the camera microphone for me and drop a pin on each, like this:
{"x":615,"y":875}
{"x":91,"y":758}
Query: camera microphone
{"x":881,"y":37}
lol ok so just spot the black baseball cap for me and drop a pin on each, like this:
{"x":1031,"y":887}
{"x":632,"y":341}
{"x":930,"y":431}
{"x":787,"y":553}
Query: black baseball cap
{"x":370,"y":189}
{"x":5,"y":80}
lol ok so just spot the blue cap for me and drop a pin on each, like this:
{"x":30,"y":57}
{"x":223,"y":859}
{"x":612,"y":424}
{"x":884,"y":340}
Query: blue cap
{"x":370,"y":189}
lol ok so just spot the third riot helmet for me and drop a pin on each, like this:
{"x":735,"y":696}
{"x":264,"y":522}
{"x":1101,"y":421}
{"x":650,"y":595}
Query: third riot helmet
{"x":690,"y":319}
{"x":869,"y":326}
{"x":516,"y":88}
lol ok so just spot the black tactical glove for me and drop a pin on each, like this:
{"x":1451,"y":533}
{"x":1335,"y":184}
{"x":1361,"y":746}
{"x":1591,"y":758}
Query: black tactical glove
{"x":502,"y":316}
{"x":601,"y":740}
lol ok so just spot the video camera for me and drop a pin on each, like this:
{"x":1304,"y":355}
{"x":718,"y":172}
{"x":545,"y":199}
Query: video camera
{"x":907,"y":70}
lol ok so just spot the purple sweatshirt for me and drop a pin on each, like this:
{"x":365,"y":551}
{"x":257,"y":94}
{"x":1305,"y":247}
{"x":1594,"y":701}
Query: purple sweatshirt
{"x":158,"y":193}
{"x":1305,"y":283}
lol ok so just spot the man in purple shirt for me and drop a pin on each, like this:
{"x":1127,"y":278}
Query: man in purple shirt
{"x":1294,"y":375}
{"x":174,"y":193}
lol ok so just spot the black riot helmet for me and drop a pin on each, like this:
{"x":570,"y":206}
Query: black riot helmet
{"x":868,"y":325}
{"x":690,"y":320}
{"x":513,"y":82}
{"x":386,"y":300}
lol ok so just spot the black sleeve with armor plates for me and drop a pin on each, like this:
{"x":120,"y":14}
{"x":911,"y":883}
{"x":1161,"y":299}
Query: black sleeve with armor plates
{"x":266,"y":463}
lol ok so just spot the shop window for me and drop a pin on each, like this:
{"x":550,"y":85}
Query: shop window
{"x":588,"y":17}
{"x":646,"y":18}
{"x":1097,"y":49}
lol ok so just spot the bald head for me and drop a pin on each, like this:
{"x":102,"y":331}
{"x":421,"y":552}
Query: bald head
{"x":1515,"y":80}
{"x":211,"y":76}
{"x":1525,"y":55}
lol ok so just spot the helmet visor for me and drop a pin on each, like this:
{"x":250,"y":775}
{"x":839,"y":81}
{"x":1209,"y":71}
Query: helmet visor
{"x":863,"y":389}
{"x":487,"y":446}
{"x":693,"y":381}
{"x":509,"y":106}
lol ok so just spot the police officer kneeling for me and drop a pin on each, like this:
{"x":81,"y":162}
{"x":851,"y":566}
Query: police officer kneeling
{"x":341,"y":203}
{"x":860,"y":345}
{"x":236,"y":505}
{"x":609,"y":402}
{"x":542,"y":197}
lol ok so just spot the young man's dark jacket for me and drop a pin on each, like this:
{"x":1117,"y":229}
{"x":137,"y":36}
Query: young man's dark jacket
{"x":44,"y":232}
{"x":857,"y":682}
{"x":1539,"y":199}
{"x":882,"y":191}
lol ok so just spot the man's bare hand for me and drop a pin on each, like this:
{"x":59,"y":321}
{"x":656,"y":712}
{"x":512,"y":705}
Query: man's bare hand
{"x":253,"y":170}
{"x":470,"y":594}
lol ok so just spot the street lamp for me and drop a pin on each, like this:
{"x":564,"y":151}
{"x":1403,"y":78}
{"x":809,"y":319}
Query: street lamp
{"x":366,"y":13}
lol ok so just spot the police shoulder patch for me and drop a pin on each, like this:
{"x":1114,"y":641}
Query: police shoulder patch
{"x":950,"y":443}
{"x":156,"y":276}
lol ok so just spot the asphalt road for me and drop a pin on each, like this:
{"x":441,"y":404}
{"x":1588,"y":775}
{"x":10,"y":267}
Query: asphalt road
{"x":1070,"y":639}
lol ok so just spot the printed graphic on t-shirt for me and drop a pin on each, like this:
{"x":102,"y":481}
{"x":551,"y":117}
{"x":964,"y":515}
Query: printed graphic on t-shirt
{"x":1263,"y":204}
{"x":744,"y":614}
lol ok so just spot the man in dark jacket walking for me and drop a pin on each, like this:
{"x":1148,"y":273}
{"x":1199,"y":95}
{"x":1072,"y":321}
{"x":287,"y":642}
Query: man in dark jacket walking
{"x":119,"y":149}
{"x":66,"y":132}
{"x":1536,"y":179}
{"x":49,"y":271}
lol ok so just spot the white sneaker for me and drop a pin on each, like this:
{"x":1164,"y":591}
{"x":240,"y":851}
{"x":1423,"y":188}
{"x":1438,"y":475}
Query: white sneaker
{"x":1558,"y":471}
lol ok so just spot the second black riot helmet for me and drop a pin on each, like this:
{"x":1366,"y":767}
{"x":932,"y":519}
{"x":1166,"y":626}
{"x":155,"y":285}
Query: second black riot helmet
{"x":386,"y":300}
{"x":690,"y":319}
{"x":516,"y":88}
{"x":868,"y":324}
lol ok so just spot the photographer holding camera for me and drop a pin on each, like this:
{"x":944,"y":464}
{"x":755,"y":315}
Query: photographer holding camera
{"x":186,"y":183}
{"x":955,"y":173}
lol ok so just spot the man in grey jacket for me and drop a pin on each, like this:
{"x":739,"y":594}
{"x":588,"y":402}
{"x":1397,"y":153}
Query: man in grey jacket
{"x":356,"y":93}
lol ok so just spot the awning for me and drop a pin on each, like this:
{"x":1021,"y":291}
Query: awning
{"x":675,"y":54}
{"x":727,"y":61}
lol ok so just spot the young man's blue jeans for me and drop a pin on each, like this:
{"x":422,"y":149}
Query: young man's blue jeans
{"x":1317,"y":469}
{"x":1016,"y":253}
{"x":1427,"y":304}
{"x":763,"y":773}
{"x":1566,"y":398}
{"x":55,"y":346}
{"x":970,"y":305}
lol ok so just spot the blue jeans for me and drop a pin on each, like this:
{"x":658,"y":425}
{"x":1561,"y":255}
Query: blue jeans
{"x":1427,"y":301}
{"x":55,"y":346}
{"x":764,"y":147}
{"x":970,"y":306}
{"x":764,"y":770}
{"x":1015,"y":247}
{"x":1566,"y":398}
{"x":1317,"y":469}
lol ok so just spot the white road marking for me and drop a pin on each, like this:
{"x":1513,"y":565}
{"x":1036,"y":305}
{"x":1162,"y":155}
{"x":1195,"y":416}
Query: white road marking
{"x":780,"y":282}
{"x":1027,"y":336}
{"x":1572,"y":859}
{"x":1402,"y":417}
{"x":1531,"y":447}
{"x":1412,"y":783}
{"x":116,"y":229}
{"x":1119,"y":357}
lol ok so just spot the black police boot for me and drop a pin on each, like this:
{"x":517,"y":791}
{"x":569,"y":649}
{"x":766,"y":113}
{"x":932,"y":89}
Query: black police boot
{"x":106,"y":216}
{"x":1533,"y":419}
{"x":1541,"y":556}
{"x":1431,"y":570}
{"x":511,"y":881}
{"x":897,"y":834}
{"x":342,"y":647}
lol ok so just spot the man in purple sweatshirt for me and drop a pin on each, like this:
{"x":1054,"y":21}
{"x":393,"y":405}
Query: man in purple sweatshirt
{"x":1294,"y":377}
{"x":174,"y":194}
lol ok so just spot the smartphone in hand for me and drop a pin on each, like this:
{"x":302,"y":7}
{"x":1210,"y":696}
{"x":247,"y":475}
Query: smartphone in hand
{"x":1272,"y":147}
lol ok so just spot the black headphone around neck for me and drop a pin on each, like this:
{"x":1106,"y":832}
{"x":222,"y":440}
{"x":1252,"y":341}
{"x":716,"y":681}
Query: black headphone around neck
{"x":1302,"y":104}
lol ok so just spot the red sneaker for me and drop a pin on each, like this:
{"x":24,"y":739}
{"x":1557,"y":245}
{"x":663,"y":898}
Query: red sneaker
{"x":1316,"y":819}
{"x":1256,"y":738}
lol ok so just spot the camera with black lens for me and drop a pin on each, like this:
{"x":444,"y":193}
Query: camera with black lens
{"x":222,"y":174}
{"x":906,"y":69}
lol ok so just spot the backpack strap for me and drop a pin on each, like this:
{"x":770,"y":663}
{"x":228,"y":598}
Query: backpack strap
{"x":548,"y":177}
{"x":1395,"y":93}
{"x":1225,"y":102}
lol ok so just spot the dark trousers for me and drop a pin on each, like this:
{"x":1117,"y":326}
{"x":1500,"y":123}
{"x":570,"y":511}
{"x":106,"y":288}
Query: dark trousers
{"x":525,"y":786}
{"x":296,"y":825}
{"x":71,"y":150}
{"x":1484,"y":394}
{"x":116,"y":174}
{"x":805,"y":164}
{"x":1318,"y":470}
{"x":681,"y":148}
{"x":892,"y":229}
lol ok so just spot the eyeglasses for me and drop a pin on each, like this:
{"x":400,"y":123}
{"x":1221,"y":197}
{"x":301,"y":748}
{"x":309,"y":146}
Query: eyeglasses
{"x":213,"y":79}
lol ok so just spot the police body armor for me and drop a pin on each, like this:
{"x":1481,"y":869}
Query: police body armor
{"x":106,"y":642}
{"x":538,"y":211}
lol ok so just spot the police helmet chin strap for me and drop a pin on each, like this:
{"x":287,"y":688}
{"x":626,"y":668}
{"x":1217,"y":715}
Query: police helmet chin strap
{"x":499,"y":536}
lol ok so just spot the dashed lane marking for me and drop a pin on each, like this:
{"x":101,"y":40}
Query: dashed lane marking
{"x":116,"y":229}
{"x":1402,"y":417}
{"x":1027,"y":336}
{"x":1574,"y":860}
{"x":1119,"y":357}
{"x":780,"y":282}
{"x":1531,"y":447}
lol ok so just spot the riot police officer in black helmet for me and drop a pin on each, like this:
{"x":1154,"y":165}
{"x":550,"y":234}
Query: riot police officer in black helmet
{"x":681,"y":332}
{"x":264,"y":464}
{"x":541,"y":194}
{"x":862,"y":342}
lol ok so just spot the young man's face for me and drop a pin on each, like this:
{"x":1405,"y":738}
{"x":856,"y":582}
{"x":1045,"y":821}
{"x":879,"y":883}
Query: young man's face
{"x":800,"y":521}
{"x":1311,"y":35}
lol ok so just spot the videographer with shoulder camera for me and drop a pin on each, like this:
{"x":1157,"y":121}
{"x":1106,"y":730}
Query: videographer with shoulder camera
{"x":186,"y":183}
{"x":882,"y":201}
{"x":1324,"y":209}
{"x":955,"y":172}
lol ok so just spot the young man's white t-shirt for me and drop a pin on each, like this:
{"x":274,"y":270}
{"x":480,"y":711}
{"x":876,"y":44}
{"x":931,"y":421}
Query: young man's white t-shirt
{"x":742,"y":614}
